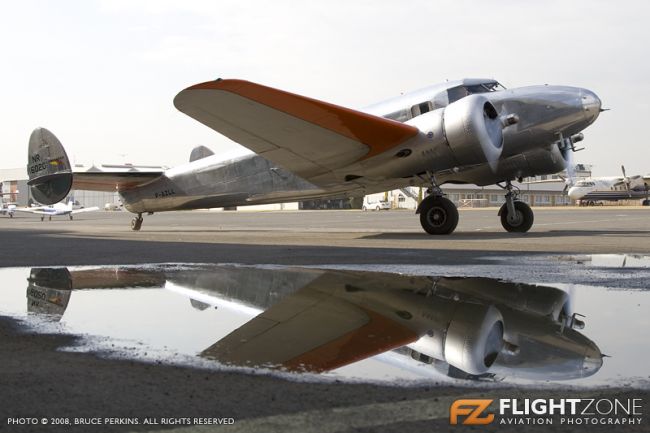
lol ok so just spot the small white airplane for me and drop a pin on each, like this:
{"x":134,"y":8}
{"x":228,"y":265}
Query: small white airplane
{"x":7,"y":208}
{"x":58,"y":209}
{"x":612,"y":188}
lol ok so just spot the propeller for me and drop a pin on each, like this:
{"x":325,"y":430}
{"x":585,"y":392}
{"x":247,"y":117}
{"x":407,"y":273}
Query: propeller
{"x":567,"y":183}
{"x":570,"y":170}
{"x":566,"y":147}
{"x":626,"y":181}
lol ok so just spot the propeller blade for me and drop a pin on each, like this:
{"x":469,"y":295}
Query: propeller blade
{"x":570,"y":166}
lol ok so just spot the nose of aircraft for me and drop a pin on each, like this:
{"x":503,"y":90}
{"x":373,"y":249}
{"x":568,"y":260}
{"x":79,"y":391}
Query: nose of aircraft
{"x":590,"y":104}
{"x":592,"y":362}
{"x":574,"y":193}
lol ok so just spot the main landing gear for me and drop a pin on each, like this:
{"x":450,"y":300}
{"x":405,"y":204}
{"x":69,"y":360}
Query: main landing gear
{"x":136,"y":222}
{"x":439,"y":215}
{"x":516,"y":216}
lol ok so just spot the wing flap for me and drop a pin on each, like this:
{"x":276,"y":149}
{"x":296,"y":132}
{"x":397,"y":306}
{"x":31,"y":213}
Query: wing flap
{"x":317,"y":137}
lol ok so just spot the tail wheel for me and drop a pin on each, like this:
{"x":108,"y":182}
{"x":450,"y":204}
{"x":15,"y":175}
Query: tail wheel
{"x":521,"y":222}
{"x":136,"y":223}
{"x":438,"y":215}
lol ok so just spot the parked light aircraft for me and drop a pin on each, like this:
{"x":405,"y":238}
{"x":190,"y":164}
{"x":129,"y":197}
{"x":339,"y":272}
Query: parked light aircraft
{"x":5,"y":207}
{"x":321,"y":319}
{"x":611,"y":188}
{"x":58,"y":209}
{"x":466,"y":131}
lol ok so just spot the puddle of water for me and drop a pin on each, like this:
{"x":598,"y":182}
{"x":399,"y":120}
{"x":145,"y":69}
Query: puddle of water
{"x":344,"y":323}
{"x":610,"y":260}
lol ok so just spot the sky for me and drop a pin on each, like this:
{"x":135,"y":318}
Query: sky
{"x":102,"y":74}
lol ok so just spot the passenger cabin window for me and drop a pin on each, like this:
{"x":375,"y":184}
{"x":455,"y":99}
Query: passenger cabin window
{"x":421,"y":108}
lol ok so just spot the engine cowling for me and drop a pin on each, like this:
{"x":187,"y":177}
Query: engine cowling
{"x":470,"y":339}
{"x":474,"y":130}
{"x":474,"y":338}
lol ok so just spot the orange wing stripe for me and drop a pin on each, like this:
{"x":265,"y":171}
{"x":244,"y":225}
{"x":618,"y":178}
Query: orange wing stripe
{"x":377,"y":336}
{"x":377,"y":133}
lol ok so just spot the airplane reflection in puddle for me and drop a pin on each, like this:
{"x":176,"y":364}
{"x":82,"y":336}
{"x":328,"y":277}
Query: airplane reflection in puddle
{"x":318,"y":320}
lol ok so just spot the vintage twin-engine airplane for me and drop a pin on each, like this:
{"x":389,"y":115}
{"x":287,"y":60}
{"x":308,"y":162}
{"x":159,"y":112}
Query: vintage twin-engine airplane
{"x":318,"y":319}
{"x":612,"y":188}
{"x":467,"y":131}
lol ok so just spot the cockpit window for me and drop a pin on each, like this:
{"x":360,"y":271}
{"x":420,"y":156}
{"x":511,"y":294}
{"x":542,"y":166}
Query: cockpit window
{"x":492,"y":86}
{"x":456,"y":93}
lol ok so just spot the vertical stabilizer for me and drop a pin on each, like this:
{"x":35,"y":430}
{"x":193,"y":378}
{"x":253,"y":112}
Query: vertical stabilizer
{"x":48,"y":168}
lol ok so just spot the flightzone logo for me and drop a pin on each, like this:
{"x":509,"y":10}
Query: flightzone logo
{"x":543,"y":411}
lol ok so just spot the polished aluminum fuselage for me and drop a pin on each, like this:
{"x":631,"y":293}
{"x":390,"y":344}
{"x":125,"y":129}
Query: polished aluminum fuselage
{"x":530,"y":147}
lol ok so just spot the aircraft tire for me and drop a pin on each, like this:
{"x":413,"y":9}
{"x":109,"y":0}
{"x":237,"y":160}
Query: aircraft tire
{"x":524,"y":221}
{"x":438,"y":215}
{"x":136,"y":223}
{"x":645,"y":202}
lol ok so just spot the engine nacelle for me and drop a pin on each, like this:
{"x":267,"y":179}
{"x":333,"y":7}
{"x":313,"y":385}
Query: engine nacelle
{"x":474,"y":130}
{"x":471,"y":342}
{"x":474,"y":338}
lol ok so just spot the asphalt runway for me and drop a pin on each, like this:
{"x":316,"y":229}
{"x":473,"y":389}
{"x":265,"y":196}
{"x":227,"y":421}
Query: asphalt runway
{"x":314,"y":237}
{"x":36,"y":380}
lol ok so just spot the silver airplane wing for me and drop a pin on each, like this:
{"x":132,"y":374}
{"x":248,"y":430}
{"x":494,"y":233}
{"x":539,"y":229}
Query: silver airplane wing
{"x":311,"y":331}
{"x":303,"y":135}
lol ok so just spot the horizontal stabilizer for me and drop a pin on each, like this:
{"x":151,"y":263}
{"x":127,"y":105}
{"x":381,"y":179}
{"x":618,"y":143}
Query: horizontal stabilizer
{"x":51,"y":176}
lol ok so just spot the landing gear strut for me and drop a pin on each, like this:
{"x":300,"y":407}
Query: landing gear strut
{"x":136,"y":222}
{"x":516,"y":216}
{"x":438,"y":215}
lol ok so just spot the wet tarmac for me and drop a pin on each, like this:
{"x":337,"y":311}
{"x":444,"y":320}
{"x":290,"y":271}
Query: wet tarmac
{"x":152,"y":343}
{"x":426,"y":325}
